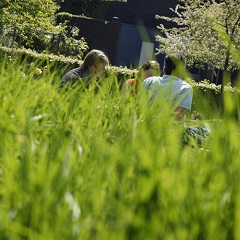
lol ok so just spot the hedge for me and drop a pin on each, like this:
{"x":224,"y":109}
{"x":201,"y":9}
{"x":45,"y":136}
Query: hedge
{"x":62,"y":64}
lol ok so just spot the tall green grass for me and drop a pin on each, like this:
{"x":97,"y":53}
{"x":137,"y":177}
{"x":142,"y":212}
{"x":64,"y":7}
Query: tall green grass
{"x":75,"y":165}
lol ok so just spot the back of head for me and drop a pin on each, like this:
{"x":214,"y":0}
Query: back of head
{"x":172,"y":65}
{"x":149,"y":69}
{"x":150,"y":65}
{"x":94,"y":58}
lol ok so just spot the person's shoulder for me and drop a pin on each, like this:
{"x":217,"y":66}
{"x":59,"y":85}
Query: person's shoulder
{"x":71,"y":75}
{"x":152,"y":79}
{"x":186,"y":88}
{"x":78,"y":70}
{"x":186,"y":84}
{"x":180,"y":81}
{"x":130,"y":80}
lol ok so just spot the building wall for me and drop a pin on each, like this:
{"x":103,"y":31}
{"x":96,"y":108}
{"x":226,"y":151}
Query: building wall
{"x":99,"y":34}
{"x":130,"y":43}
{"x":141,"y":12}
{"x":121,"y":42}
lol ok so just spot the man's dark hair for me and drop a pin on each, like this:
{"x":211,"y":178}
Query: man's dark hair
{"x":171,"y":64}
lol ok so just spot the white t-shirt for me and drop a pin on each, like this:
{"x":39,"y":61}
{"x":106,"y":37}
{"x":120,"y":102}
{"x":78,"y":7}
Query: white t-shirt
{"x":171,"y":88}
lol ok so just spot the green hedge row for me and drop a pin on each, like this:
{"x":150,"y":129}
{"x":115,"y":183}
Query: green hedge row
{"x":62,"y":64}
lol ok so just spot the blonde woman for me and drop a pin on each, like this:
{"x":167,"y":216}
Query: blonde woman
{"x":148,"y":69}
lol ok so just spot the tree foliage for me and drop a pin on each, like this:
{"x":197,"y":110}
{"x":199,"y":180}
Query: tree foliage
{"x":89,"y":8}
{"x":205,"y":32}
{"x":32,"y":24}
{"x":26,"y":19}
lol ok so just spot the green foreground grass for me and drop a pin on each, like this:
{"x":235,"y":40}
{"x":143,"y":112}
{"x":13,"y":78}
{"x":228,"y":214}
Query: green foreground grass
{"x":74,"y":165}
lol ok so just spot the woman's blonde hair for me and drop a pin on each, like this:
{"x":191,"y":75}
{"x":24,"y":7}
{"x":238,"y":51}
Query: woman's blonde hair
{"x":94,"y":58}
{"x":153,"y":65}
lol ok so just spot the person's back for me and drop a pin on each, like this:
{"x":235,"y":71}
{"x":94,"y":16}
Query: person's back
{"x":171,"y":87}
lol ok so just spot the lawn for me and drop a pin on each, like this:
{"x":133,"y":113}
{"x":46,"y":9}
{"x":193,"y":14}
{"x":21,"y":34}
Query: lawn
{"x":75,"y":165}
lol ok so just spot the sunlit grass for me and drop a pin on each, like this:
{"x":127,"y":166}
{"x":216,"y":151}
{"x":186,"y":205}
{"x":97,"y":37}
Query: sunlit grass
{"x":74,"y":165}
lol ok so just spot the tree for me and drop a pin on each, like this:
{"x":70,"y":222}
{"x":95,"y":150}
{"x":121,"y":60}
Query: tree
{"x":24,"y":20}
{"x":31,"y":24}
{"x":205,"y":32}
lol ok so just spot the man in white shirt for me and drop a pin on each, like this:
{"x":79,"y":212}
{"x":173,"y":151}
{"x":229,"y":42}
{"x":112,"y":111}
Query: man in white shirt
{"x":171,"y":87}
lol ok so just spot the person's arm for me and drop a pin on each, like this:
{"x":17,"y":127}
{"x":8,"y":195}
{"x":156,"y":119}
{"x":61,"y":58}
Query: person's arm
{"x":129,"y":88}
{"x":179,"y":113}
{"x":185,"y":104}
